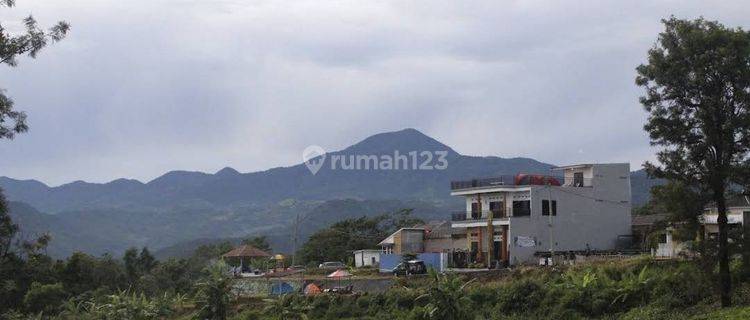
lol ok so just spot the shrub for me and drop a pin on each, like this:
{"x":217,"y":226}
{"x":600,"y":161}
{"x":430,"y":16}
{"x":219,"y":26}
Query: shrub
{"x":248,"y":315}
{"x":682,"y":286}
{"x":319,"y":305}
{"x":647,"y":313}
{"x":633,"y":288}
{"x":741,"y":294}
{"x":521,"y":296}
{"x":400,"y":299}
{"x":214,"y":293}
{"x":122,"y":305}
{"x":446,"y":298}
{"x":45,"y":298}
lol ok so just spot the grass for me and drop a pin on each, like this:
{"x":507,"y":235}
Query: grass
{"x":736,"y":313}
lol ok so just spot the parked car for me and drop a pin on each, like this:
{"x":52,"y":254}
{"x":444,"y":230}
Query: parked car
{"x":332,"y":265}
{"x":409,"y":268}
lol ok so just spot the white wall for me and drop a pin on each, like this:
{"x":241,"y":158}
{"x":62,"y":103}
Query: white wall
{"x":364,"y":257}
{"x":595,"y":215}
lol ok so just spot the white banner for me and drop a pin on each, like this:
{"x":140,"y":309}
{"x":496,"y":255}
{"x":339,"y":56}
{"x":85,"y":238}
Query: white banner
{"x":525,"y":242}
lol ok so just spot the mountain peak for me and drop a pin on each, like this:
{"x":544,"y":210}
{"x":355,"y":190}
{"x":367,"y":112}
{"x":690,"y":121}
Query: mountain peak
{"x":404,"y":141}
{"x":125,"y":182}
{"x":227,"y":171}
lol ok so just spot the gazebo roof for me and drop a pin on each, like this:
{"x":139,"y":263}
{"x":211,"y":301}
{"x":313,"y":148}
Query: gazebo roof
{"x":340,"y":273}
{"x":246,"y":251}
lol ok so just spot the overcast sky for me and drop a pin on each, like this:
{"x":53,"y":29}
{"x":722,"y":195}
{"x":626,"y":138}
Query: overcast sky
{"x":143,"y":87}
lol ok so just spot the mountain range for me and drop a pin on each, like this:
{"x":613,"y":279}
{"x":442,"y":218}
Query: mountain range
{"x":182,"y":206}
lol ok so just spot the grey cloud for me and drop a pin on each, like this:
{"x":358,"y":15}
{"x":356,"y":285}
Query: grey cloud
{"x":142,"y":87}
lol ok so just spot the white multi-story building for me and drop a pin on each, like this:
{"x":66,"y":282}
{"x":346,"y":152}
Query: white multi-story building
{"x":509,"y":219}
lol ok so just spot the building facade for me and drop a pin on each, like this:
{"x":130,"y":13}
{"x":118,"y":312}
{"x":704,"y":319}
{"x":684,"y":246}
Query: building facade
{"x":509,"y":219}
{"x":431,"y":237}
{"x":430,"y":243}
{"x":366,"y":258}
{"x":404,"y":240}
{"x":738,"y":210}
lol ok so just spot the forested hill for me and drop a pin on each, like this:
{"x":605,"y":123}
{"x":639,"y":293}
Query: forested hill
{"x":228,"y":187}
{"x":182,"y":206}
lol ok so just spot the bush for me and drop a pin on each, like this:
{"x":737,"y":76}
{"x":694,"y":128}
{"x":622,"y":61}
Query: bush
{"x":45,"y":298}
{"x":649,"y":312}
{"x":521,"y":296}
{"x":214,"y":293}
{"x":122,"y":305}
{"x":248,"y":315}
{"x":682,"y":286}
{"x":400,"y":299}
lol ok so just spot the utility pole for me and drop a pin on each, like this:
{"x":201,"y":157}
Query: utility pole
{"x":549,"y":208}
{"x":746,"y":238}
{"x":490,"y":236}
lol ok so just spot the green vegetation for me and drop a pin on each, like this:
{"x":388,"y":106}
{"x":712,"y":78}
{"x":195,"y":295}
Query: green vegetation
{"x":696,"y":81}
{"x":213,"y":293}
{"x":337,"y":242}
{"x":30,"y":42}
{"x":259,"y":243}
{"x":637,"y":289}
{"x":627,"y":289}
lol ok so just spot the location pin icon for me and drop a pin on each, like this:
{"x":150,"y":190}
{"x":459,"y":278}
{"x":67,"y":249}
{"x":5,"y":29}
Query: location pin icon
{"x":314,"y":157}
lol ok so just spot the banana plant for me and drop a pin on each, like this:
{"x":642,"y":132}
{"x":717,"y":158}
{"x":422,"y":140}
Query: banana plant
{"x":446,"y":297}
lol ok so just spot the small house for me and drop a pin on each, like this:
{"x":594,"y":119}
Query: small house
{"x":366,"y":258}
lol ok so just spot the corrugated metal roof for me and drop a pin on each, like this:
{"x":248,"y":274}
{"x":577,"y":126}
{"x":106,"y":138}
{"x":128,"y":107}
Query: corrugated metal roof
{"x":246,"y":251}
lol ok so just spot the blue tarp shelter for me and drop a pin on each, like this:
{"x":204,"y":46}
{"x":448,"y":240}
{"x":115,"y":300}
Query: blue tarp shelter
{"x":281,"y":288}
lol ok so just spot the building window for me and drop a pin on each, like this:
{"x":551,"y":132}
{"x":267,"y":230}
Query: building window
{"x":521,"y":208}
{"x":497,"y":208}
{"x":475,"y":214}
{"x":546,"y":207}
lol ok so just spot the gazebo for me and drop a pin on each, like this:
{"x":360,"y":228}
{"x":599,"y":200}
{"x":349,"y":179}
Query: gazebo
{"x":339,"y":274}
{"x":245,"y":252}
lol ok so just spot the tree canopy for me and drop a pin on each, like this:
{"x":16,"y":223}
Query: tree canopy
{"x":697,"y":83}
{"x":30,"y":42}
{"x":337,"y":242}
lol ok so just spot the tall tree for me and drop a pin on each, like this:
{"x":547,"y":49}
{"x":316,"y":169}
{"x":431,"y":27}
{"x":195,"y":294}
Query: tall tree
{"x":8,"y":230}
{"x":697,"y":83}
{"x":30,"y":42}
{"x":337,"y":242}
{"x":12,"y":121}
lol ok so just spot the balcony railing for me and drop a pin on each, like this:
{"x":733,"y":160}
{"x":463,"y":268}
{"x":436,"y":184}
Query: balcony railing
{"x":476,"y":216}
{"x":486,"y":182}
{"x":520,"y":180}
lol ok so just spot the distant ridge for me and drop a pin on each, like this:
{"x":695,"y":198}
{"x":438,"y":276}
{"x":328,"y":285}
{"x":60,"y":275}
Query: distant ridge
{"x":186,"y":205}
{"x":228,"y":187}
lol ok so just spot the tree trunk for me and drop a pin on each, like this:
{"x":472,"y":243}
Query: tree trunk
{"x":746,"y":245}
{"x":725,"y":280}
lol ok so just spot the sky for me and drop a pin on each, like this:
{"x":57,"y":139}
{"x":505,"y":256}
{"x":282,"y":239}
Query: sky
{"x":142,"y":87}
